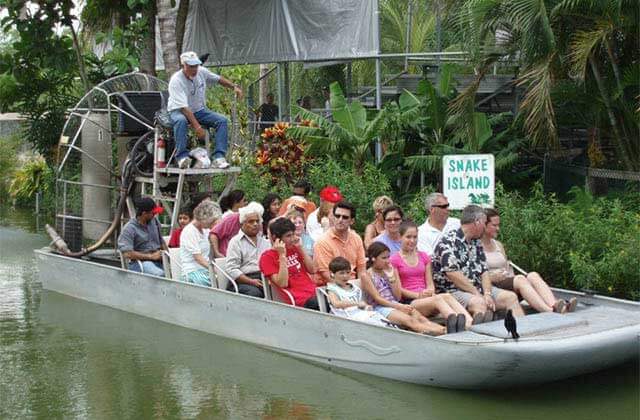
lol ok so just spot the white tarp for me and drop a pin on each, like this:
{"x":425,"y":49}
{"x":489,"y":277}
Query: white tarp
{"x":268,"y":31}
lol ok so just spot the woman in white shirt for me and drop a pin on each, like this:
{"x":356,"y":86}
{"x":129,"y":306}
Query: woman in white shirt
{"x":194,"y":243}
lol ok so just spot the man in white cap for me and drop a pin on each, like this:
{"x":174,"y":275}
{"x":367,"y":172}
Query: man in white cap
{"x":187,"y":107}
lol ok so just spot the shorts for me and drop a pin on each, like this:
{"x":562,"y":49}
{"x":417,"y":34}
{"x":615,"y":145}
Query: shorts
{"x":506,"y":284}
{"x":200,"y":277}
{"x":385,"y":311}
{"x":464,"y":297}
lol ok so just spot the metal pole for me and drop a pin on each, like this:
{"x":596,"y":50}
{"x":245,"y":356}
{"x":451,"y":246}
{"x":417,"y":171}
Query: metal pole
{"x":279,"y":92}
{"x":407,"y":41}
{"x":376,"y":32}
{"x":286,"y":104}
{"x":438,"y":34}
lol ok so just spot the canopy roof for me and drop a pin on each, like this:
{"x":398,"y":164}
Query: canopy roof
{"x":268,"y":31}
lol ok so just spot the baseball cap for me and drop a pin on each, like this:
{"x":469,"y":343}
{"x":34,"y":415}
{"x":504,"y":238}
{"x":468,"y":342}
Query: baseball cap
{"x":190,"y":58}
{"x":331,"y":194}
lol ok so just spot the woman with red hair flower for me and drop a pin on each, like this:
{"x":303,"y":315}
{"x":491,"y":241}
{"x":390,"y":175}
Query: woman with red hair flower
{"x":321,"y":220}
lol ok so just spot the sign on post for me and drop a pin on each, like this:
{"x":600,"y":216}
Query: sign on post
{"x":468,"y":179}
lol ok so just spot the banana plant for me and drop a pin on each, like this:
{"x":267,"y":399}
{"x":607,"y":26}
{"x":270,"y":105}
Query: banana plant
{"x":348,"y":136}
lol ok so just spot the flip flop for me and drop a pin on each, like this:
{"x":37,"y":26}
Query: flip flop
{"x":560,"y":307}
{"x":488,"y":316}
{"x":572,"y":304}
{"x":451,"y":324}
{"x":478,"y":318}
{"x":461,"y":320}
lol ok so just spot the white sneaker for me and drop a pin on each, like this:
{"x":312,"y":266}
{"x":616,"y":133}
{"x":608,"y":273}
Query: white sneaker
{"x":220,"y":163}
{"x":184,"y":163}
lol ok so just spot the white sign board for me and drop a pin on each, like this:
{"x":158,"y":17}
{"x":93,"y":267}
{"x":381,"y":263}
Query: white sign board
{"x":468,"y":179}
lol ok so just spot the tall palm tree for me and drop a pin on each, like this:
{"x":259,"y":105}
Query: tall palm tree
{"x":558,"y":40}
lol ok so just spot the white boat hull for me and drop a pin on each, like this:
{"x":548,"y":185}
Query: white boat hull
{"x":463,"y":360}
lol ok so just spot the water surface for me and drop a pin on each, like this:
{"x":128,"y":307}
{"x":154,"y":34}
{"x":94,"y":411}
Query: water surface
{"x":62,"y":357}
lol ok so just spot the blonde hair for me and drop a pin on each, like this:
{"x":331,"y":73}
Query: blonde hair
{"x":381,"y":203}
{"x":291,"y":213}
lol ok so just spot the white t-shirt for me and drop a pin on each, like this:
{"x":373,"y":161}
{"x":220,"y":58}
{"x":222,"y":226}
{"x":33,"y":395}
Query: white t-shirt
{"x":315,"y":228}
{"x":193,"y":241}
{"x":428,"y":236}
{"x":184,"y":92}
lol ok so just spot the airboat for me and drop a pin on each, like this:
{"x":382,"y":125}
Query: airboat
{"x":108,"y":154}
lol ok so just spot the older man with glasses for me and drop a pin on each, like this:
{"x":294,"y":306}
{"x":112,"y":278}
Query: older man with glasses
{"x":460,"y":268}
{"x":437,"y":224}
{"x":340,"y":241}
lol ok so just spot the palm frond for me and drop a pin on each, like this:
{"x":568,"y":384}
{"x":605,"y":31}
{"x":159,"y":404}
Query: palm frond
{"x":537,"y":105}
{"x":583,"y":45}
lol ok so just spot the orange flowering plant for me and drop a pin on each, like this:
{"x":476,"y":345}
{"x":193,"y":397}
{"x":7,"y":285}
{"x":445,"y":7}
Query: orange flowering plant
{"x":281,"y":155}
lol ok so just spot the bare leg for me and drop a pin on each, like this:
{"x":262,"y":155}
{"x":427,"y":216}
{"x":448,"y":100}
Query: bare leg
{"x":457,"y":308}
{"x":542,"y":288}
{"x":431,"y":305}
{"x":522,"y":286}
{"x":509,"y":300}
{"x":476,"y":305}
{"x":416,"y":322}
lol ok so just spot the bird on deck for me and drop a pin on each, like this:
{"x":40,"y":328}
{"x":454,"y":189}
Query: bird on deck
{"x":510,"y":325}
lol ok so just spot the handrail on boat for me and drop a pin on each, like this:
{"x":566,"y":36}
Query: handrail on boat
{"x":219,"y":270}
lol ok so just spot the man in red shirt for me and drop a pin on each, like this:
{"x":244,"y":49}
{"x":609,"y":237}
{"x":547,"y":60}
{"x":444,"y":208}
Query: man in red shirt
{"x":288,"y":266}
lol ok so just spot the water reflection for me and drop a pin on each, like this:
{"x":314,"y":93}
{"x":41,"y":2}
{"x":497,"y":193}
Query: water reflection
{"x":61,"y":357}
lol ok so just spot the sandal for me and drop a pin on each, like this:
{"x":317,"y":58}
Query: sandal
{"x":461,"y":321}
{"x":560,"y":307}
{"x":572,"y":304}
{"x":478,"y":318}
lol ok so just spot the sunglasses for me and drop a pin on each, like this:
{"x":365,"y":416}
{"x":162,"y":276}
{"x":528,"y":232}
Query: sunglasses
{"x":393,"y":219}
{"x":342,"y":216}
{"x":441,"y":206}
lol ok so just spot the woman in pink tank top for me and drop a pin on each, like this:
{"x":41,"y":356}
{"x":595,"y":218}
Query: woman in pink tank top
{"x":418,"y":289}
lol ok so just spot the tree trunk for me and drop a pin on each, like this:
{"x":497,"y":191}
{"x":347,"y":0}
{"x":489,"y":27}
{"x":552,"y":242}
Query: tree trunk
{"x":167,"y":24}
{"x":620,"y":142}
{"x":181,"y":20}
{"x":148,"y":56}
{"x":264,"y":84}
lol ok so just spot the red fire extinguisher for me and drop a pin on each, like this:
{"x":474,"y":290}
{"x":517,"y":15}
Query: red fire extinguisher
{"x":162,"y":153}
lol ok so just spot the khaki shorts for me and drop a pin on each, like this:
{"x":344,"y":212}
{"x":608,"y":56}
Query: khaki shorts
{"x":465,"y":297}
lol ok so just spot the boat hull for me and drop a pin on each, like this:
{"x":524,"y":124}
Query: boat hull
{"x":464,"y":360}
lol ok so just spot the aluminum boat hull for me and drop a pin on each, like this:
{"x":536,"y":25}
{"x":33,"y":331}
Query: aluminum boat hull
{"x":463,"y":360}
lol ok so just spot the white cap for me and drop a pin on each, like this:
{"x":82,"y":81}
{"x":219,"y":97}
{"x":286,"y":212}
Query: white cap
{"x":190,"y":58}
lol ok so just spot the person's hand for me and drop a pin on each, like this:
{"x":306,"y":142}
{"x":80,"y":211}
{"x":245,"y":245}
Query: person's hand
{"x":155,"y":255}
{"x":278,"y":245}
{"x":407,"y":309}
{"x":257,"y":283}
{"x":488,"y":300}
{"x":200,"y":133}
{"x":362,"y":305}
{"x":238,"y":92}
{"x":425,"y":293}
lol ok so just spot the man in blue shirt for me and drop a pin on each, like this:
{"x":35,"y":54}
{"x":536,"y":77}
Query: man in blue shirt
{"x":187,"y":106}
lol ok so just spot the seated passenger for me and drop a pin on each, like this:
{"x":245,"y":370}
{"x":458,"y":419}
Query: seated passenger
{"x":184,"y":217}
{"x":303,"y":238}
{"x":194,"y":244}
{"x":437,"y":224}
{"x":414,"y":270}
{"x":300,"y":198}
{"x":141,"y":240}
{"x":271,"y":204}
{"x":460,"y":268}
{"x":321,"y":219}
{"x":392,"y":216}
{"x":384,"y":293}
{"x":376,"y":227}
{"x":531,"y":287}
{"x":345,"y":298}
{"x":229,"y":225}
{"x":340,"y":241}
{"x":244,"y":250}
{"x":288,"y":266}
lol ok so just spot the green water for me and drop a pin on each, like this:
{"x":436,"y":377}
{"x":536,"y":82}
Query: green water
{"x":65,"y":358}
